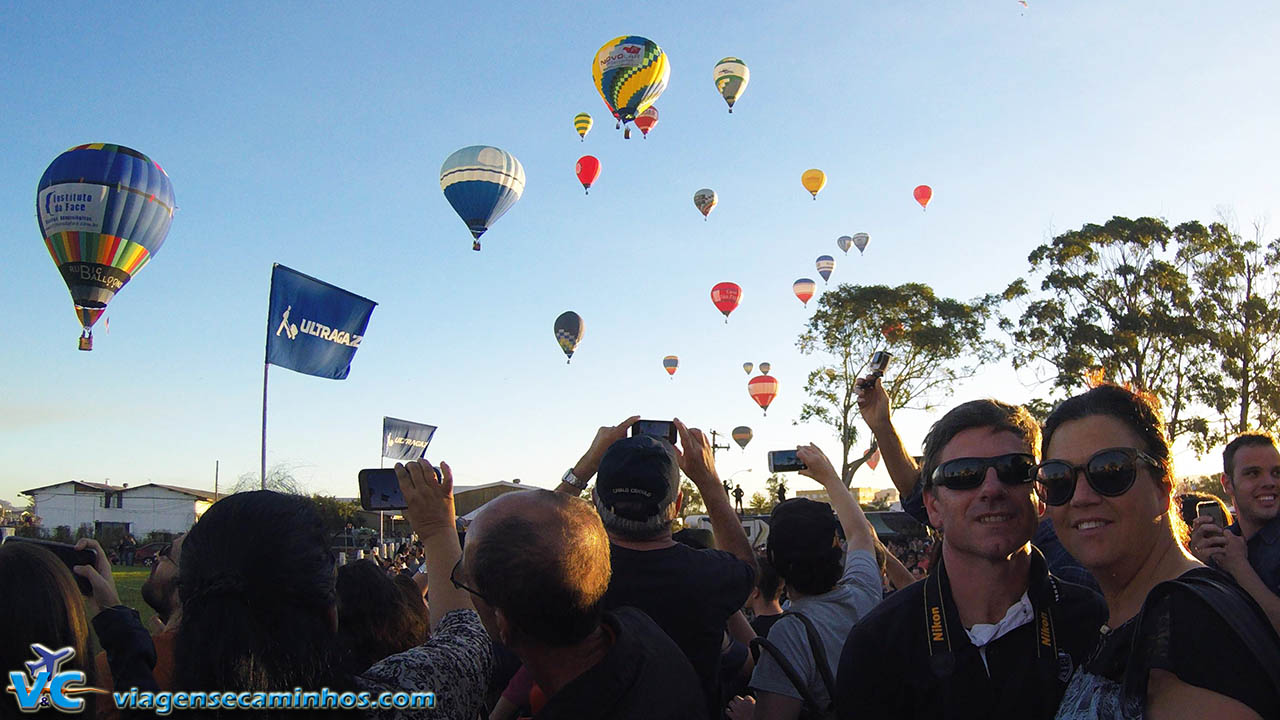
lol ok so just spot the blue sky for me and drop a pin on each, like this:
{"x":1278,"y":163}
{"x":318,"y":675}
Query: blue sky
{"x":312,"y":135}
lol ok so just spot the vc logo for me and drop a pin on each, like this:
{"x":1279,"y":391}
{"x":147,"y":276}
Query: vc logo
{"x":49,"y":685}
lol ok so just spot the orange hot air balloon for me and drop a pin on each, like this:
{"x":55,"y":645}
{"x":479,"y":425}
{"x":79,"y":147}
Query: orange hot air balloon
{"x":646,"y":120}
{"x":671,"y":362}
{"x":588,"y":170}
{"x":726,"y":296}
{"x":923,"y":194}
{"x":763,"y":390}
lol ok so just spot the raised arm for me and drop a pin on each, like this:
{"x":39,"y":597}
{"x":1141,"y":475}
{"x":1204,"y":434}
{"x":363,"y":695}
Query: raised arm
{"x":698,"y":462}
{"x":586,"y":467}
{"x":857,"y":529}
{"x":431,"y":514}
{"x":873,"y":404}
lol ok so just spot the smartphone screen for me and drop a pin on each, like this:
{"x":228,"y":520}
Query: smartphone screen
{"x":1212,"y":510}
{"x":68,"y":554}
{"x":785,"y":461}
{"x":664,"y":429}
{"x":380,"y":490}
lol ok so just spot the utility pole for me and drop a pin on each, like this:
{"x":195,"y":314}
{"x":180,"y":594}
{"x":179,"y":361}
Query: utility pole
{"x":714,"y":446}
{"x":215,"y":481}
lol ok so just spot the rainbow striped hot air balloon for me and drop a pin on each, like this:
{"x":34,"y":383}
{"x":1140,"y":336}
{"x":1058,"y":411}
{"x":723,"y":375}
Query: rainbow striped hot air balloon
{"x":630,"y":72}
{"x":582,"y":123}
{"x":481,"y":183}
{"x":671,"y":362}
{"x":104,"y":211}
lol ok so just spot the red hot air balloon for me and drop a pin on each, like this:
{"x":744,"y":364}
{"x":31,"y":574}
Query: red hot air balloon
{"x":671,"y":362}
{"x":726,"y":296}
{"x":763,"y":390}
{"x":646,"y":120}
{"x":804,"y":288}
{"x":923,"y":194}
{"x":588,"y":170}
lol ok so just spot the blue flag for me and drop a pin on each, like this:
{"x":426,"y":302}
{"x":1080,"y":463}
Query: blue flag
{"x":404,"y":440}
{"x":312,"y":326}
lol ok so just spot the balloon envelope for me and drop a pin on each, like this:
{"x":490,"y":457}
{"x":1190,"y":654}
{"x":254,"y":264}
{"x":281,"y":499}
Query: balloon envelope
{"x":813,"y":180}
{"x":705,"y":200}
{"x":731,"y":77}
{"x":826,"y":264}
{"x":844,"y":242}
{"x":671,"y":362}
{"x":803,"y":288}
{"x":923,"y":194}
{"x":582,"y":123}
{"x":726,"y":296}
{"x":763,"y":389}
{"x":647,"y":119}
{"x":630,"y":72}
{"x":747,"y":367}
{"x":765,"y":368}
{"x":742,"y":435}
{"x":104,"y":211}
{"x":569,"y":330}
{"x":588,"y":170}
{"x":481,"y":183}
{"x":860,"y":241}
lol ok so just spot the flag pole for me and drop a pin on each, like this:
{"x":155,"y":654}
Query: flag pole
{"x":265,"y":367}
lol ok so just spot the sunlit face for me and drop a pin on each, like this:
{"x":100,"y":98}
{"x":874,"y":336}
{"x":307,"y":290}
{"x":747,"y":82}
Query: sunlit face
{"x":1256,"y":483}
{"x":1107,"y":533}
{"x":993,"y":520}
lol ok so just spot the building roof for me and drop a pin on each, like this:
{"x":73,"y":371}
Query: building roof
{"x":201,"y":494}
{"x":91,"y":485}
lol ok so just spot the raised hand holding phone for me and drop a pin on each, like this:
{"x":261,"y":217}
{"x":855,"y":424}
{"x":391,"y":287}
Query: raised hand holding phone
{"x":104,"y":593}
{"x":428,"y":497}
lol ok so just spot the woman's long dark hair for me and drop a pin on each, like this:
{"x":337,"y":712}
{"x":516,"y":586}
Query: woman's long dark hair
{"x":375,"y":619}
{"x":256,"y":583}
{"x":39,"y":603}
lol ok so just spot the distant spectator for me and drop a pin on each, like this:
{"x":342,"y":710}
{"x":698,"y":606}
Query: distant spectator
{"x":765,"y":598}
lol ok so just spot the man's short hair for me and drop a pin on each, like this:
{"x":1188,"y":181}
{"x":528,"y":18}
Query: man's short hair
{"x":991,"y":414}
{"x":548,"y":578}
{"x":767,"y":581}
{"x":637,"y":486}
{"x":804,"y":545}
{"x":1249,"y":439}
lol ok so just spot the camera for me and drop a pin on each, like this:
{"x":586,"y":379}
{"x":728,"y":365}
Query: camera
{"x":878,"y":364}
{"x":380,"y":489}
{"x":661,"y":429}
{"x":785,"y":461}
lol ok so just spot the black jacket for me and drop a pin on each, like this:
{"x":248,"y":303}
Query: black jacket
{"x":911,"y":657}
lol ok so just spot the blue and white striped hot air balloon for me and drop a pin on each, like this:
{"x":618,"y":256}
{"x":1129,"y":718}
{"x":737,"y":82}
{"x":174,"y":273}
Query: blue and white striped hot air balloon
{"x":481,"y":183}
{"x":825,"y":264}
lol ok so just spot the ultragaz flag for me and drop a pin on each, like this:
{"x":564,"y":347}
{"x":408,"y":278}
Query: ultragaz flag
{"x":314,"y":327}
{"x":404,"y":440}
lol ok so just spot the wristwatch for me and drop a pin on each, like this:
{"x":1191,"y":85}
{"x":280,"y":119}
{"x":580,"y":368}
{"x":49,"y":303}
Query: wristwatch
{"x":571,"y":479}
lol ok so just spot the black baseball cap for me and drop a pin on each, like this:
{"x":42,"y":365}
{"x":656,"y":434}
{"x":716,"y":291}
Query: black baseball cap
{"x":640,"y":472}
{"x":801,"y":528}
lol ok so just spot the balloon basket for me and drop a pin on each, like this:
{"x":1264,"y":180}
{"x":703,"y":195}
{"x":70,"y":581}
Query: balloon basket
{"x":86,"y":342}
{"x":475,"y":246}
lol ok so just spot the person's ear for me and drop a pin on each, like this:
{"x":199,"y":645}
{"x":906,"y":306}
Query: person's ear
{"x":1227,"y":486}
{"x":933,"y":507}
{"x":505,"y":630}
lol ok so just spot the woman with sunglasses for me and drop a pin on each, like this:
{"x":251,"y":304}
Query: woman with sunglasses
{"x":1191,"y":648}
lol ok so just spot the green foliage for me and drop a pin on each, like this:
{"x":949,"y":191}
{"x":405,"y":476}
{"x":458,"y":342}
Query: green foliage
{"x":935,"y":342}
{"x":335,"y":513}
{"x":771,"y":484}
{"x":1209,"y":484}
{"x":279,"y":478}
{"x":760,"y":504}
{"x":62,"y":534}
{"x":693,"y":504}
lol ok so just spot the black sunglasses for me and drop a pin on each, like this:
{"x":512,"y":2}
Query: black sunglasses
{"x":968,"y":473}
{"x":453,"y":578}
{"x":1110,"y":472}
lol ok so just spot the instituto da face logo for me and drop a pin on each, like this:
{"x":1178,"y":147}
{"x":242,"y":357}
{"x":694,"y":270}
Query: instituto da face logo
{"x":44,"y":684}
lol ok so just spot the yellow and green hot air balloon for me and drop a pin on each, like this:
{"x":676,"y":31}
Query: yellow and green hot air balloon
{"x":731,"y":76}
{"x":813,"y":180}
{"x":630,"y":72}
{"x":582,"y":123}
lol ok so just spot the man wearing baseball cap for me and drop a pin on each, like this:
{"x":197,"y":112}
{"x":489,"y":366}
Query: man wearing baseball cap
{"x":689,"y":593}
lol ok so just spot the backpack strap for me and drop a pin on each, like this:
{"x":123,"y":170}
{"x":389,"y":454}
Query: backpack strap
{"x":820,"y":660}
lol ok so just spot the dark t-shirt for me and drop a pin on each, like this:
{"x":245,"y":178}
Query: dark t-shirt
{"x":644,"y":676}
{"x":690,"y":594}
{"x":762,"y":623}
{"x":1264,"y":553}
{"x":1190,"y":640}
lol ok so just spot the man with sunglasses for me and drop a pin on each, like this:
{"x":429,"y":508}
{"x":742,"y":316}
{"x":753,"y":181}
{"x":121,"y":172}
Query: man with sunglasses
{"x":990,"y":633}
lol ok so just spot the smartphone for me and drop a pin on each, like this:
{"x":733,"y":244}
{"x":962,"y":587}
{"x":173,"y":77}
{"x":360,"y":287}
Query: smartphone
{"x":68,"y":554}
{"x":1213,"y":511}
{"x":662,"y":429}
{"x":785,"y":461}
{"x":878,"y":364}
{"x":380,"y":490}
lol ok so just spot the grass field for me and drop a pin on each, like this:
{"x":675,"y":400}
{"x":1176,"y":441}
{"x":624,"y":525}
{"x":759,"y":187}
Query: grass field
{"x":129,"y":584}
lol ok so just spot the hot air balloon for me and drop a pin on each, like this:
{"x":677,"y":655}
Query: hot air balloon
{"x":765,"y":367}
{"x":742,"y":435}
{"x":825,"y":264}
{"x":731,"y":76}
{"x":726,"y":296}
{"x":481,"y":183}
{"x":747,"y":367}
{"x":646,"y":120}
{"x":763,"y":389}
{"x":671,"y":362}
{"x":813,"y":180}
{"x":923,"y":194}
{"x":582,"y":123}
{"x":104,"y":211}
{"x":803,"y":288}
{"x":705,"y":200}
{"x":844,"y":242}
{"x":630,"y":72}
{"x":860,"y":241}
{"x":569,"y":329}
{"x":588,"y":170}
{"x":891,"y":331}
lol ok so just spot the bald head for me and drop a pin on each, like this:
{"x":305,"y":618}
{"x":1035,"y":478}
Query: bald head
{"x":542,"y":558}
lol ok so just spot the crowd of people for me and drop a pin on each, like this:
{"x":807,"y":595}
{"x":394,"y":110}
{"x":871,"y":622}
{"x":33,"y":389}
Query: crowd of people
{"x":1064,"y":582}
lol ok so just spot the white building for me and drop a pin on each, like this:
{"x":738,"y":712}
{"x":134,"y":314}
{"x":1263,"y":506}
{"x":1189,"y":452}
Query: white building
{"x":139,"y":510}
